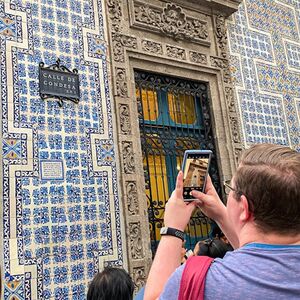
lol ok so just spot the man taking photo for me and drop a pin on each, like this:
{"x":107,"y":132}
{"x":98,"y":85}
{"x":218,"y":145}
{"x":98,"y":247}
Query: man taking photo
{"x":262,"y":222}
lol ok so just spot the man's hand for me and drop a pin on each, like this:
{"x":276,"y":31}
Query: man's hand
{"x":177,"y":212}
{"x":210,"y":203}
{"x":212,"y":206}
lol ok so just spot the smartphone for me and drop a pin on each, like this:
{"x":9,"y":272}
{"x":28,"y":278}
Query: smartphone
{"x":195,"y":168}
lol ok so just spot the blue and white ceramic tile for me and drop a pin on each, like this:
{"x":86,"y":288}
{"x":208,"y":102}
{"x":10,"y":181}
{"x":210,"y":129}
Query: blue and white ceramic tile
{"x":56,"y":229}
{"x":265,"y":51}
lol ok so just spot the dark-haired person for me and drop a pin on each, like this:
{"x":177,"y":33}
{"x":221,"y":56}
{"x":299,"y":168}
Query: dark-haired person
{"x":212,"y":247}
{"x":111,"y":284}
{"x":261,"y":221}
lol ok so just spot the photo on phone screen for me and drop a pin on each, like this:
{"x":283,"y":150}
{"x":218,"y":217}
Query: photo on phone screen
{"x":195,"y":171}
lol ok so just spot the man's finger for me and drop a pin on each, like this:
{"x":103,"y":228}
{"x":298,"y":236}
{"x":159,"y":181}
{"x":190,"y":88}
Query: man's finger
{"x":191,"y":206}
{"x":198,"y":195}
{"x":179,"y":184}
{"x":209,"y":183}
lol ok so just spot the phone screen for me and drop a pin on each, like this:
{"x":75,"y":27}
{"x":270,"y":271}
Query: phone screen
{"x":195,"y":170}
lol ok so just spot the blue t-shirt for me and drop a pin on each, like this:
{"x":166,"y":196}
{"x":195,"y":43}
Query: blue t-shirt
{"x":254,"y":271}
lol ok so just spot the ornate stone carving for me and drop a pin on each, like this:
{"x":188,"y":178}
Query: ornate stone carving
{"x":121,"y":84}
{"x":221,"y":34}
{"x":227,"y":75}
{"x":234,"y":129}
{"x":198,"y":58}
{"x":124,"y":118}
{"x":132,"y":200}
{"x":229,"y":96}
{"x":139,"y":277}
{"x":219,"y":62}
{"x":172,"y":21}
{"x":152,"y":47}
{"x":119,"y":42}
{"x":176,"y":52}
{"x":136,"y":245}
{"x":128,"y":157}
{"x":237,"y":154}
{"x":222,"y":64}
{"x":115,"y":13}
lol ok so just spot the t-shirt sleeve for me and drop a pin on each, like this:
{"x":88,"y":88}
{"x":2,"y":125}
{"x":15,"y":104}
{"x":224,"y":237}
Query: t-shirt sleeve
{"x":171,"y":289}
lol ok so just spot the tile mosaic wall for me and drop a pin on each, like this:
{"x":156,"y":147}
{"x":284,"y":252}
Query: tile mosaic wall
{"x":57,"y":230}
{"x":264,"y":43}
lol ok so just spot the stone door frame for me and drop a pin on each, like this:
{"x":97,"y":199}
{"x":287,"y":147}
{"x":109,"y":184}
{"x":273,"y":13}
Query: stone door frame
{"x":163,"y":52}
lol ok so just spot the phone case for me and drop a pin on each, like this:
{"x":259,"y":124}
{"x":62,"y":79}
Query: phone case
{"x":187,"y":154}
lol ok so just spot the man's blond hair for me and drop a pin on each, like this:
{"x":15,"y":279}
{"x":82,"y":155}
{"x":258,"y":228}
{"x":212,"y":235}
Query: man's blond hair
{"x":269,"y":176}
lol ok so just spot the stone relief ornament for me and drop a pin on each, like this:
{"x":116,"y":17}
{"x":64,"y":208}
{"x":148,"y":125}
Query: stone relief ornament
{"x":128,"y":157}
{"x":221,"y":34}
{"x":229,"y":96}
{"x":171,"y":20}
{"x":175,"y":52}
{"x":222,"y":64}
{"x":219,"y":62}
{"x":124,"y":118}
{"x":139,"y":277}
{"x":234,"y":129}
{"x":198,"y":58}
{"x":121,"y":84}
{"x":121,"y":41}
{"x":152,"y":47}
{"x":115,"y":13}
{"x":237,"y":154}
{"x":132,"y":200}
{"x":136,"y":245}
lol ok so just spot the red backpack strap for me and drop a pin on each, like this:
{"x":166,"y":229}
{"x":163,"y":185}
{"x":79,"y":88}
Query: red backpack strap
{"x":192,"y":282}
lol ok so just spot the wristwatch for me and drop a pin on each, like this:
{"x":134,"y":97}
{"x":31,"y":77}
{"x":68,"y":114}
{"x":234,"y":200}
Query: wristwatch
{"x":172,"y":231}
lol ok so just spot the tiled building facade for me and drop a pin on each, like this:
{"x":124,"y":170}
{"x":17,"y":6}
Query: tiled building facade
{"x":58,"y":228}
{"x":265,"y":58}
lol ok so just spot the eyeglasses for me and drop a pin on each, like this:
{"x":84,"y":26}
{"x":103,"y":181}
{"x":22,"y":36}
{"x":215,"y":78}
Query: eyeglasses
{"x":227,"y":187}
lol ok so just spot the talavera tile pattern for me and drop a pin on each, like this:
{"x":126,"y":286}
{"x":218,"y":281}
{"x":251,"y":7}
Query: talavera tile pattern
{"x":58,"y":230}
{"x":265,"y":61}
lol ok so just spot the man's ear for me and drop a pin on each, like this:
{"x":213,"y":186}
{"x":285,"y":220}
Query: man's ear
{"x":245,"y":212}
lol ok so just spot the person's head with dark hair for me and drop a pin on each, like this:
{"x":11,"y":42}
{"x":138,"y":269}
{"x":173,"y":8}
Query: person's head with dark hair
{"x":112,"y":283}
{"x":212,"y":247}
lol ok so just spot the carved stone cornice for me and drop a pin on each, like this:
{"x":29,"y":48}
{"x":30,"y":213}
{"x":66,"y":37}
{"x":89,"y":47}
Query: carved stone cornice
{"x":221,"y":34}
{"x":120,"y":41}
{"x":170,"y":21}
{"x":227,"y":7}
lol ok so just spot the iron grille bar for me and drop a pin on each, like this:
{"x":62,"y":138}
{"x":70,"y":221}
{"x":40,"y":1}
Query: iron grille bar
{"x":174,"y":115}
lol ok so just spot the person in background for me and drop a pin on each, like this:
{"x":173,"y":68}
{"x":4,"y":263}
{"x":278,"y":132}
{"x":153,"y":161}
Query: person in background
{"x":111,"y":284}
{"x":261,"y":221}
{"x":212,"y":247}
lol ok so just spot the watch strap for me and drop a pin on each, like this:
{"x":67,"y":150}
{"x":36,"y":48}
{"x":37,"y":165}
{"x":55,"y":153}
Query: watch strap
{"x":173,"y":232}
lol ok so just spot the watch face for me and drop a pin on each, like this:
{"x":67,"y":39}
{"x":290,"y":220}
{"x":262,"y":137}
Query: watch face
{"x":163,"y":230}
